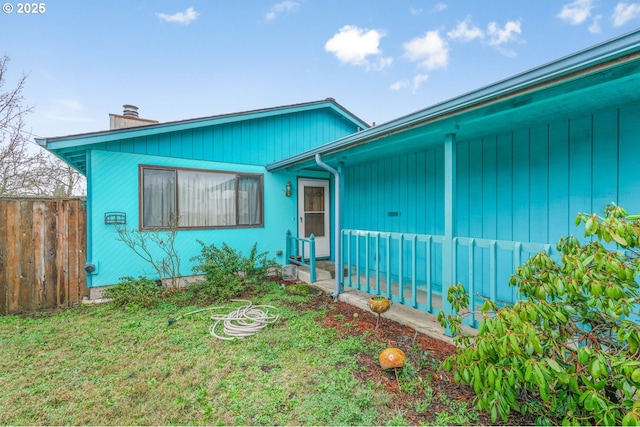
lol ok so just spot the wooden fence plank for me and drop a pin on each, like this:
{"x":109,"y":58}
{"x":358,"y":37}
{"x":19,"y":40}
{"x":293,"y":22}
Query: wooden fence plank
{"x":51,"y":254}
{"x":39,"y":253}
{"x":13,"y":257}
{"x":72,"y":213}
{"x":4,"y":273}
{"x":82,"y":250}
{"x":61,"y":261}
{"x":42,"y":254}
{"x":27,"y":270}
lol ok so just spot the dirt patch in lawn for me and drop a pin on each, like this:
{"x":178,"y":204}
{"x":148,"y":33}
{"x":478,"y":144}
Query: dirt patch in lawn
{"x":353,"y":321}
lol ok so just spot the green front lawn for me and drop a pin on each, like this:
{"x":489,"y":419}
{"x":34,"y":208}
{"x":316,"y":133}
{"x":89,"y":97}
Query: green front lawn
{"x":102,"y":365}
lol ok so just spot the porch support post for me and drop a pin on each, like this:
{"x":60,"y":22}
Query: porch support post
{"x":448,"y":250}
{"x":337,"y":253}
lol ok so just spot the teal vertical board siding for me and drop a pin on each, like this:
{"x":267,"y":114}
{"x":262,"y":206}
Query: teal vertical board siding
{"x":489,"y":186}
{"x":437,"y":204}
{"x":505,"y":196}
{"x":197,"y":148}
{"x":149,"y":145}
{"x":476,"y":206}
{"x":404,"y":184}
{"x":141,"y":145}
{"x":539,"y":184}
{"x":463,"y":208}
{"x":605,"y":160}
{"x":580,"y":173}
{"x":186,"y":143}
{"x":521,"y":186}
{"x":253,"y":142}
{"x":559,"y":179}
{"x":629,"y":154}
{"x":438,"y":188}
{"x":489,"y":202}
{"x":505,"y":205}
{"x":463,"y":190}
{"x":126,"y":146}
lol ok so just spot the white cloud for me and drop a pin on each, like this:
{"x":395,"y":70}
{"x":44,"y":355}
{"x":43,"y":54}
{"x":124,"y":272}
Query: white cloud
{"x":431,"y":51}
{"x":499,"y":36}
{"x":354,"y":45}
{"x":465,"y":32}
{"x":438,"y":7}
{"x":418,"y":79}
{"x":594,"y":28}
{"x":285,"y":6}
{"x":415,"y":12}
{"x":413,"y":84}
{"x":66,"y":110}
{"x":625,"y":12}
{"x":576,"y":12}
{"x":400,"y":84}
{"x":185,"y":18}
{"x":380,"y":63}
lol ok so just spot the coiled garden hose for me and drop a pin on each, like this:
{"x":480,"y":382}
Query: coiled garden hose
{"x":240,"y":323}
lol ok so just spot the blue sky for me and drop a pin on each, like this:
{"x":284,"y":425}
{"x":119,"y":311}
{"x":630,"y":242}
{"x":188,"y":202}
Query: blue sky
{"x":379,"y":59}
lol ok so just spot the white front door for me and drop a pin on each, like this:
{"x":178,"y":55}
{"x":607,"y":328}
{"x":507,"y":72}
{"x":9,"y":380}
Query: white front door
{"x":314,"y":214}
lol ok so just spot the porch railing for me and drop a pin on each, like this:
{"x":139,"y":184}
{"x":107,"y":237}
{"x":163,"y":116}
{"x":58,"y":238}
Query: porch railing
{"x":407,"y":268}
{"x":485,"y":266}
{"x":302,"y":252}
{"x":404,"y":267}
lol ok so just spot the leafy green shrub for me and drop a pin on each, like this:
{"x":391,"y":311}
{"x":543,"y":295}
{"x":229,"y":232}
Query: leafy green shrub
{"x":569,"y":351}
{"x":228,"y":273}
{"x":134,"y":293}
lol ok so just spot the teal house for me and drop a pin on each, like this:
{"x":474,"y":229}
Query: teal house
{"x":462,"y":191}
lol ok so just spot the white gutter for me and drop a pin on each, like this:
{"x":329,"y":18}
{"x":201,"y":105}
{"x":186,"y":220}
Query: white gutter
{"x":336,"y":228}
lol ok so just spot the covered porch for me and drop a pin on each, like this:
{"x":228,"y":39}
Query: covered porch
{"x":468,"y":189}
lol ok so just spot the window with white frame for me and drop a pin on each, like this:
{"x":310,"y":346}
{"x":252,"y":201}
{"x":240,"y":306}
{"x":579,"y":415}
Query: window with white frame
{"x":199,"y":198}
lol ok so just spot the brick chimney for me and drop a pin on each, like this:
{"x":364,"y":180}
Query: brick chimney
{"x":128,"y":119}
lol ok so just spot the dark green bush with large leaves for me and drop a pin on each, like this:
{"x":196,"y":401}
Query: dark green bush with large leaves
{"x":228,"y":273}
{"x":568,"y":351}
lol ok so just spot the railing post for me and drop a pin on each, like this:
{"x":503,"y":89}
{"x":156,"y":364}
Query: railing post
{"x":312,"y":257}
{"x":348,"y":257}
{"x":388,"y":264}
{"x":429,"y":281}
{"x":366,"y":264}
{"x":287,"y":252}
{"x":517,"y":254}
{"x":472,"y":292}
{"x":493,"y":270}
{"x":400,"y":267}
{"x":414,"y":271}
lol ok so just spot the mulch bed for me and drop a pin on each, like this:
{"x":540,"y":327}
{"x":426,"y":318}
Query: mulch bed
{"x":349,"y":320}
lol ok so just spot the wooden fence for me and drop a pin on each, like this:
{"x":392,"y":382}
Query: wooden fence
{"x":42,"y":254}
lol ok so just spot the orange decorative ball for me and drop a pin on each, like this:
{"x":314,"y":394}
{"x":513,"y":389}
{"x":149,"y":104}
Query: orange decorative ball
{"x":379,"y":304}
{"x":391,"y":358}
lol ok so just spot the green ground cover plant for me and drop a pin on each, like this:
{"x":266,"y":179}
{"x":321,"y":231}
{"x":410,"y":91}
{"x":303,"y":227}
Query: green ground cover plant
{"x":133,"y":293}
{"x":228,"y":273}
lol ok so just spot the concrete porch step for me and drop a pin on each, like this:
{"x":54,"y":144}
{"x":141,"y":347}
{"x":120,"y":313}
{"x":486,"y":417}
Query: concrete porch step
{"x":305,"y":276}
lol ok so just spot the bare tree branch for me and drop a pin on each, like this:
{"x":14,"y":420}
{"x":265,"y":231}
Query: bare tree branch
{"x":27,"y":170}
